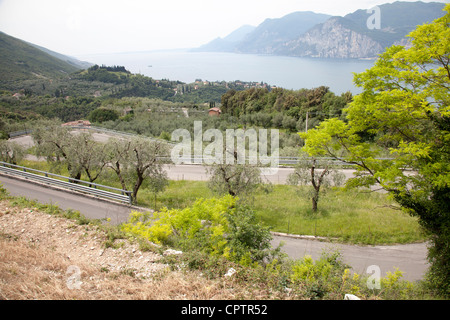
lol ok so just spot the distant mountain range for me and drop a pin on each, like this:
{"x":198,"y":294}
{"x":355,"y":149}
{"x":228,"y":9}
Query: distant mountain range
{"x":309,"y":34}
{"x":20,"y":60}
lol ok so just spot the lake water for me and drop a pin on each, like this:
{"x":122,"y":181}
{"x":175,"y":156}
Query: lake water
{"x":286,"y":72}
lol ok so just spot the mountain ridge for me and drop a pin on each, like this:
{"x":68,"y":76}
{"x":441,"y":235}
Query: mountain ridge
{"x":22,"y":61}
{"x":342,"y":37}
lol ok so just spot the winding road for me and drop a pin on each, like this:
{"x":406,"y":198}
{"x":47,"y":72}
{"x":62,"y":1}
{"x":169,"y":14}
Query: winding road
{"x":410,"y":258}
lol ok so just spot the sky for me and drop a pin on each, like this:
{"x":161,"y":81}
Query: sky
{"x":77,"y":27}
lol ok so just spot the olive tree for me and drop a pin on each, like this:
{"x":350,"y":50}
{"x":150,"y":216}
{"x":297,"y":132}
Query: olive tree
{"x":318,"y":175}
{"x":136,"y":160}
{"x":11,"y":151}
{"x":77,"y":151}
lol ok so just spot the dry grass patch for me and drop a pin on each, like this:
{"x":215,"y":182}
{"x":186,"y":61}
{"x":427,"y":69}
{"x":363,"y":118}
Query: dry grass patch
{"x":46,"y":257}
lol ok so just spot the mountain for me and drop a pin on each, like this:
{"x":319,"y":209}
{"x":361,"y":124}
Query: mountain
{"x":21,"y":61}
{"x":307,"y":34}
{"x":70,"y":60}
{"x":273,"y":32}
{"x":228,"y":43}
{"x":262,"y":39}
{"x":335,"y":38}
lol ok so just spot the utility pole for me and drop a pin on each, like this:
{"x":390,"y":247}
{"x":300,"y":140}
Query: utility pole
{"x":307,"y":114}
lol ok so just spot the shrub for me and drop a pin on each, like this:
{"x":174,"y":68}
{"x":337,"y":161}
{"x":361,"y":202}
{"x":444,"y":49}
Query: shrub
{"x":216,"y":226}
{"x":100,"y":115}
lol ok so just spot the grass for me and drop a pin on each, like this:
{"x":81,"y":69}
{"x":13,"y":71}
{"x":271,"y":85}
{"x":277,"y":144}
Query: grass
{"x":349,"y":216}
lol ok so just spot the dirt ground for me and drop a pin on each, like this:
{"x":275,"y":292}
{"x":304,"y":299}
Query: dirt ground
{"x":47,"y":257}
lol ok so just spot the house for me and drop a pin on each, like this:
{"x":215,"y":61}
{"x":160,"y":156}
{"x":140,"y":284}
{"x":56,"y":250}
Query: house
{"x":127,"y":111}
{"x":79,"y":123}
{"x":18,"y":95}
{"x":214,"y":111}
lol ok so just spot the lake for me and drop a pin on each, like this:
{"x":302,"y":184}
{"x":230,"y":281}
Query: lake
{"x":286,"y":72}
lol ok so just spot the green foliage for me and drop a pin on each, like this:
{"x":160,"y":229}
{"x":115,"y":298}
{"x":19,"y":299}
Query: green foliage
{"x":318,"y":277}
{"x":100,"y":115}
{"x":20,"y":61}
{"x":35,"y":107}
{"x":136,"y":161}
{"x":320,"y":174}
{"x":216,"y":226}
{"x":234,"y":179}
{"x":115,"y":74}
{"x":284,"y":109}
{"x":11,"y":151}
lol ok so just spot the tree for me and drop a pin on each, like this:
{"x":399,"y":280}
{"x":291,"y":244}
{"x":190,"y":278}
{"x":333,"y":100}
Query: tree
{"x":320,"y":174}
{"x":405,"y":109}
{"x":102,"y":114}
{"x":136,"y":160}
{"x":234,"y":179}
{"x":11,"y":151}
{"x":55,"y":143}
{"x":87,"y":155}
{"x":157,"y":184}
{"x":77,"y":151}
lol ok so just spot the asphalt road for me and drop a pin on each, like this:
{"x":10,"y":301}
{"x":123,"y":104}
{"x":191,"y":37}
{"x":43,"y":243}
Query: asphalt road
{"x":411,"y":259}
{"x":90,"y":207}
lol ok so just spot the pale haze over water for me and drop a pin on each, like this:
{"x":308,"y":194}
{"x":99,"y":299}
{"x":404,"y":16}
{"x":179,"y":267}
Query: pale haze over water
{"x":286,"y":72}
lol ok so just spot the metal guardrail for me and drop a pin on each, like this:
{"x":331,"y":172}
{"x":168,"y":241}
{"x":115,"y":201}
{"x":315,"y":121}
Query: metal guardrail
{"x":71,"y":184}
{"x":280,"y":160}
{"x":20,"y":133}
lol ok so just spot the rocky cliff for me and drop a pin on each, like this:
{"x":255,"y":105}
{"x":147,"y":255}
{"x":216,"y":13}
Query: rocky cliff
{"x":331,"y":39}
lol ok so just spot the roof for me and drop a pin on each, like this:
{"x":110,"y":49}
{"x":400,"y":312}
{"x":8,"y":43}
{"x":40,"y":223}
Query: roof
{"x":84,"y":123}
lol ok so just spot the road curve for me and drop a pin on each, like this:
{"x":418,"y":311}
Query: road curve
{"x":90,"y":207}
{"x":411,"y":258}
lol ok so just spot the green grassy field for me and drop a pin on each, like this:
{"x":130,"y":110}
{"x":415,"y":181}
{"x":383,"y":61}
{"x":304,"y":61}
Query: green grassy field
{"x":349,"y":216}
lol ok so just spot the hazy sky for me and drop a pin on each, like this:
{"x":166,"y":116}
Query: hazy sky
{"x":100,"y":26}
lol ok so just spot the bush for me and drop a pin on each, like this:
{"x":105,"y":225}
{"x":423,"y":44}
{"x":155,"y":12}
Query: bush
{"x":100,"y":115}
{"x":319,"y":278}
{"x":216,"y":226}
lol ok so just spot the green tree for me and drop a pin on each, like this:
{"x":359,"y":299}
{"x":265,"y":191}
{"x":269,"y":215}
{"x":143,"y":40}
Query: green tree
{"x":405,"y":107}
{"x":11,"y":151}
{"x":54,"y":142}
{"x":102,"y":114}
{"x":78,"y":151}
{"x":234,"y":179}
{"x":318,"y":173}
{"x":137,"y":160}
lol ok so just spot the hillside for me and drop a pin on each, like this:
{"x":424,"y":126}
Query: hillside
{"x":70,"y":60}
{"x":22,"y":61}
{"x":307,"y":34}
{"x":228,"y":43}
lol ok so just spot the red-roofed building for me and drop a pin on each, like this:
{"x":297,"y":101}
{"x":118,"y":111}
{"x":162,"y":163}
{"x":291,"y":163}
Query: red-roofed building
{"x":214,"y":111}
